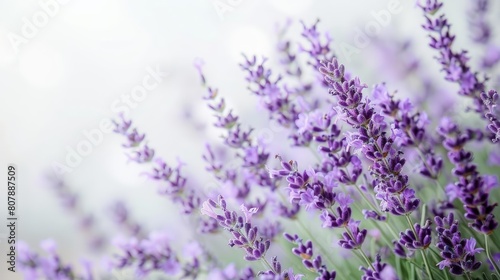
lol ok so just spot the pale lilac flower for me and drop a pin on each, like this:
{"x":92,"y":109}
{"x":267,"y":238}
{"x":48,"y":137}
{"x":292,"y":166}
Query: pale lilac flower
{"x":248,"y":213}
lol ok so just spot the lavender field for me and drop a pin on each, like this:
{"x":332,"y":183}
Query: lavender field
{"x":238,"y":140}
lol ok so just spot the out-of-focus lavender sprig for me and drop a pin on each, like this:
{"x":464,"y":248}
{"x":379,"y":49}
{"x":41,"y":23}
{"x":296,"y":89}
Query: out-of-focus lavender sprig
{"x":70,"y":201}
{"x":34,"y":266}
{"x":253,"y":155}
{"x":306,"y":252}
{"x":172,"y":183}
{"x":284,"y":47}
{"x":283,"y":105}
{"x":318,"y":48}
{"x":455,"y":65}
{"x":121,"y":216}
{"x":244,"y":235}
{"x":155,"y":253}
{"x":458,"y":253}
{"x":230,"y":272}
{"x":293,"y":76}
{"x":481,"y":32}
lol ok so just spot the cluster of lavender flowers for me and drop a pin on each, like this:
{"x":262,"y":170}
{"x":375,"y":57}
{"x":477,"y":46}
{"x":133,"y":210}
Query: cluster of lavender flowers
{"x":370,"y":184}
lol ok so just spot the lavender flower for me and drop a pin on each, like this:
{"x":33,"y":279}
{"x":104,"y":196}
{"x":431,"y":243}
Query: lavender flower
{"x":231,"y":272}
{"x":391,"y":186}
{"x":155,"y":254}
{"x":276,"y":273}
{"x":70,"y":201}
{"x":380,"y":271}
{"x":278,"y":101}
{"x":173,"y":183}
{"x":455,"y":65}
{"x":471,"y":187}
{"x":243,"y":234}
{"x":34,"y":266}
{"x":481,"y":31}
{"x":458,"y":253}
{"x":419,"y":239}
{"x":121,"y":216}
{"x":314,"y":264}
{"x":410,"y":129}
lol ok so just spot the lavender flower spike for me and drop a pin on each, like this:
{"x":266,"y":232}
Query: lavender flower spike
{"x":455,"y":65}
{"x":458,"y":253}
{"x":244,"y":235}
{"x":314,"y":264}
{"x":380,"y":271}
{"x":387,"y":162}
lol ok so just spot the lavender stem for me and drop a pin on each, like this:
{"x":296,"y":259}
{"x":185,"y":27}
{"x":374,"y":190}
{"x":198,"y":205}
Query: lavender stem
{"x":490,"y":257}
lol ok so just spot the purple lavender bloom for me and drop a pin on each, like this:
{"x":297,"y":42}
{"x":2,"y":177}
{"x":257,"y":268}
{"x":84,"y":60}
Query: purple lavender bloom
{"x":172,"y":182}
{"x":380,"y":271}
{"x":72,"y":204}
{"x":269,"y":229}
{"x":370,"y":214}
{"x":391,"y":186}
{"x":276,"y":273}
{"x":400,"y":250}
{"x":254,"y":157}
{"x":230,"y":272}
{"x":458,"y":253}
{"x":420,"y":239}
{"x":455,"y":65}
{"x":496,"y":258}
{"x":490,"y":101}
{"x":481,"y":31}
{"x":155,"y":254}
{"x":121,"y":217}
{"x":34,"y":266}
{"x":471,"y":188}
{"x":244,"y":235}
{"x":318,"y":48}
{"x":354,"y":237}
{"x":275,"y":99}
{"x":410,"y":128}
{"x":305,"y":251}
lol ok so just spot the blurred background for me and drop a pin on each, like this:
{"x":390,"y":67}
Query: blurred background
{"x":60,"y":78}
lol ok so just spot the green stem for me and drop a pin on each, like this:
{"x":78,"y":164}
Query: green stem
{"x":389,"y":227}
{"x":490,"y":257}
{"x":424,"y":257}
{"x":427,"y":267}
{"x":366,"y":258}
{"x":408,"y":219}
{"x":267,"y":264}
{"x":367,"y":200}
{"x":363,"y":255}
